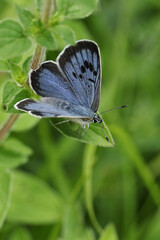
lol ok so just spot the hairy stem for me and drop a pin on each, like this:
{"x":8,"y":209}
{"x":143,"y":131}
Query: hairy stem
{"x":37,"y":58}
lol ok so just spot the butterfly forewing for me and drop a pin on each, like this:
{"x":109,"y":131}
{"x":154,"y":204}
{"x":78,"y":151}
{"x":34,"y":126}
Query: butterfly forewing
{"x":49,"y":81}
{"x":81,"y":65}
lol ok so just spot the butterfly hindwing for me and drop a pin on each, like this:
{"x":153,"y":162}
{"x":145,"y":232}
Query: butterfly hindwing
{"x":81,"y":65}
{"x":53,"y":107}
{"x":49,"y":81}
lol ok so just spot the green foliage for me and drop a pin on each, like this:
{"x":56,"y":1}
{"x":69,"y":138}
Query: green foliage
{"x":109,"y":233}
{"x":9,"y":91}
{"x":64,"y":35}
{"x":11,"y":95}
{"x":17,"y":74}
{"x":25,"y":16}
{"x":13,"y":42}
{"x":47,"y":40}
{"x":5,"y":193}
{"x":33,"y":201}
{"x":20,"y":233}
{"x":25,"y":122}
{"x":76,"y":9}
{"x":13,"y":153}
{"x":4,"y":66}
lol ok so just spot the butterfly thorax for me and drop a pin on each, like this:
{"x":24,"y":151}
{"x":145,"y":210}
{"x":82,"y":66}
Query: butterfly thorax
{"x":86,"y":121}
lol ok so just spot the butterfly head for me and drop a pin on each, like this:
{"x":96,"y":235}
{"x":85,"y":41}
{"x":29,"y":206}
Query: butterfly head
{"x":97,"y":119}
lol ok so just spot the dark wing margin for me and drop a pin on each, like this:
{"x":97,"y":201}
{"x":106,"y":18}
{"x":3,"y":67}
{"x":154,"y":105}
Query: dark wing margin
{"x":82,"y":67}
{"x":49,"y":81}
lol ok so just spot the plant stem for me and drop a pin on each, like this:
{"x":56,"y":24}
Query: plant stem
{"x":37,"y":58}
{"x":7,"y":126}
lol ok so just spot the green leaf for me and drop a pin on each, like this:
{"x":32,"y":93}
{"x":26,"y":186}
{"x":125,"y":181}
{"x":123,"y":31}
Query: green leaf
{"x":79,"y":28}
{"x":25,"y":122}
{"x":5,"y":193}
{"x":78,"y":8}
{"x":15,"y":60}
{"x":18,"y":74}
{"x":93,"y":135}
{"x":13,"y":153}
{"x":47,"y":40}
{"x":27,"y":64}
{"x":19,"y":96}
{"x":25,"y":16}
{"x":12,"y":40}
{"x":73,"y":225}
{"x":33,"y":201}
{"x":4,"y":66}
{"x":109,"y":233}
{"x":20,"y":233}
{"x":64,"y":35}
{"x":9,"y":91}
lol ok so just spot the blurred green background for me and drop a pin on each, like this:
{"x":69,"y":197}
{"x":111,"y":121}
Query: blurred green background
{"x":125,"y":179}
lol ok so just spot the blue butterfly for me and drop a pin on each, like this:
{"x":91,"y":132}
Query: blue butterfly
{"x":70,"y":87}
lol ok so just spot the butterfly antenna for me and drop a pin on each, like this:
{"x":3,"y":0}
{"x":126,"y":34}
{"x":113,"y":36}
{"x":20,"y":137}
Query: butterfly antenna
{"x":104,"y":133}
{"x":114,"y":109}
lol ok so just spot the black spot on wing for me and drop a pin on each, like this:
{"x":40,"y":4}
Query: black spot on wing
{"x":91,"y":67}
{"x":86,"y":64}
{"x":95,"y":73}
{"x":74,"y":74}
{"x":83,"y":70}
{"x":91,"y":80}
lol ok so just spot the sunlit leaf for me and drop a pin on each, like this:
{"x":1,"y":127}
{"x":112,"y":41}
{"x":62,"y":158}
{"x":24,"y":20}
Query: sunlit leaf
{"x":9,"y":91}
{"x":12,"y":39}
{"x":25,"y":16}
{"x":4,"y":66}
{"x":47,"y":40}
{"x":64,"y":35}
{"x":17,"y":73}
{"x":22,"y":94}
{"x":78,"y":8}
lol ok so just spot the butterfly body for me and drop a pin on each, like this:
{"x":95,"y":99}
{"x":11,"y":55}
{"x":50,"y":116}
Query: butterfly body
{"x":69,"y":88}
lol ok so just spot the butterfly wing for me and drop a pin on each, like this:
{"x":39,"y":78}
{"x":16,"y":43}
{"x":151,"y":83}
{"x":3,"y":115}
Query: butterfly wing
{"x":81,"y":65}
{"x":49,"y":81}
{"x":53,"y":107}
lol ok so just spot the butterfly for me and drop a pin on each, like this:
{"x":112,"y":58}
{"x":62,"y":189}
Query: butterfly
{"x":70,"y":87}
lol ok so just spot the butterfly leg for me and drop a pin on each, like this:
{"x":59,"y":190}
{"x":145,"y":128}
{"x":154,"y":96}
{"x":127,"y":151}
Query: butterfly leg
{"x":68,"y":120}
{"x":85,"y":127}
